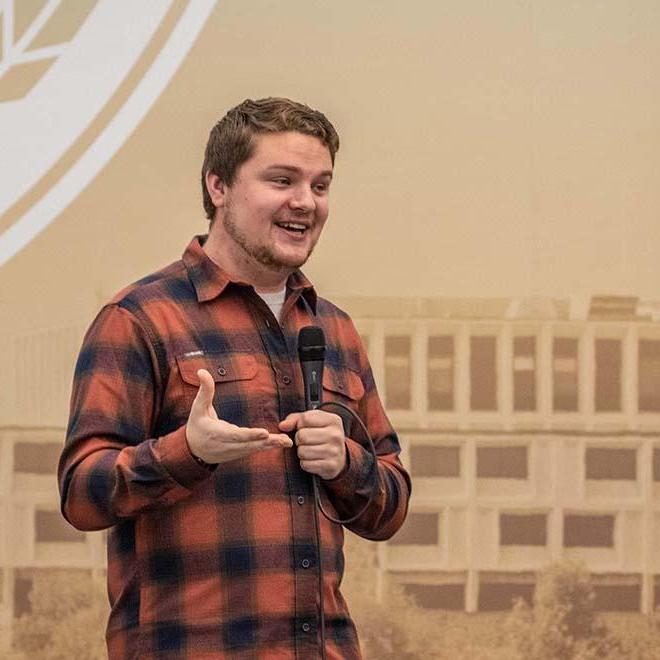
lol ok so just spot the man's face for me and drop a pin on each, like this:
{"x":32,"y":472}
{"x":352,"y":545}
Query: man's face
{"x":275,"y":209}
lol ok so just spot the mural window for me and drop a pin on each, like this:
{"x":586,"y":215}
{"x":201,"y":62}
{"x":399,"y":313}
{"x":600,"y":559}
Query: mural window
{"x":649,"y":375}
{"x":523,"y":529}
{"x":398,"y":372}
{"x":656,"y":592}
{"x":50,"y":527}
{"x":431,"y":461}
{"x":617,"y":593}
{"x":418,"y":529}
{"x":437,"y":596}
{"x":502,"y":462}
{"x":608,"y":375}
{"x":606,"y":463}
{"x":565,"y":374}
{"x":499,"y":594}
{"x":441,"y":372}
{"x":524,"y":373}
{"x":22,"y":588}
{"x":588,"y":531}
{"x":483,"y":373}
{"x":36,"y":457}
{"x":656,"y":464}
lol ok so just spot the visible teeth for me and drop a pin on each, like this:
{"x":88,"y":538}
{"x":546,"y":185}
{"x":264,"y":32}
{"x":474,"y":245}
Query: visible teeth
{"x":292,"y":225}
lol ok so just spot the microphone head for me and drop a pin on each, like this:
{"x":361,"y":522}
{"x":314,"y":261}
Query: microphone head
{"x":311,"y":343}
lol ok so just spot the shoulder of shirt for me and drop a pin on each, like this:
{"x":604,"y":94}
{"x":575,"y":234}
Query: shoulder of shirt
{"x":341,"y":330}
{"x":325,"y":308}
{"x":337,"y":321}
{"x":152,"y":286}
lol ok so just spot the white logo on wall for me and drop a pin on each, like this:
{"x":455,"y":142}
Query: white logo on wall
{"x":39,"y":128}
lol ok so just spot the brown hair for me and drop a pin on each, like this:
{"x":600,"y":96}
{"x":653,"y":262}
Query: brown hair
{"x":231,"y":141}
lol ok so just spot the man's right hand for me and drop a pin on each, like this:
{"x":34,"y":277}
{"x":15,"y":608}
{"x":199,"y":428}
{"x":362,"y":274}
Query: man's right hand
{"x":216,"y":441}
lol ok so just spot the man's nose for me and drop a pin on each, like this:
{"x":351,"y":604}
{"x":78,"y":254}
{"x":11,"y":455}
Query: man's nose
{"x":302,"y":199}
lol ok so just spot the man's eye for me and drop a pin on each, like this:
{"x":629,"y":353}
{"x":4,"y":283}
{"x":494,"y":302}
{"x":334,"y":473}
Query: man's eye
{"x":321,"y":187}
{"x":282,"y":180}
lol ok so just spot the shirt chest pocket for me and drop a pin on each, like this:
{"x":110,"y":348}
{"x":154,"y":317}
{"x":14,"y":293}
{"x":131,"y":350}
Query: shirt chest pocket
{"x":236,"y":399}
{"x":344,"y":386}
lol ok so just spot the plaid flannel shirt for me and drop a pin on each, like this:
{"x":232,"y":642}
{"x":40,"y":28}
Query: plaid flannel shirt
{"x":218,"y":563}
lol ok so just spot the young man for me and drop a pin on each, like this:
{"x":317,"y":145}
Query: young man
{"x":186,"y":397}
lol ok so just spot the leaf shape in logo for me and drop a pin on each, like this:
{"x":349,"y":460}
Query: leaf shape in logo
{"x":33,"y":36}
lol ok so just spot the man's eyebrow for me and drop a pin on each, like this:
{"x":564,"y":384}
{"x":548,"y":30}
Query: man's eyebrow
{"x":290,"y":168}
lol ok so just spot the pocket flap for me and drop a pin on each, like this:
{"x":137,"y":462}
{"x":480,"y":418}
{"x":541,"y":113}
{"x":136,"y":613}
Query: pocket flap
{"x":223,"y":367}
{"x":345,"y":381}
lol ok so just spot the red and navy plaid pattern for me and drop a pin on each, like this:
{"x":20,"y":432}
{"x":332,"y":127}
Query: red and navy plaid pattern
{"x":223,"y":563}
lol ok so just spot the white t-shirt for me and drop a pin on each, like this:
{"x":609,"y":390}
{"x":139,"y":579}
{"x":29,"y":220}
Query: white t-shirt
{"x":275,"y":301}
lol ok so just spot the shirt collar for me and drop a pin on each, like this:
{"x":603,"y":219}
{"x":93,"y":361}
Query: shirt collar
{"x":210,"y":280}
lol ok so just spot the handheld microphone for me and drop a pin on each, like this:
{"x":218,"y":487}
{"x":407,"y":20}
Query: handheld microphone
{"x":311,"y":352}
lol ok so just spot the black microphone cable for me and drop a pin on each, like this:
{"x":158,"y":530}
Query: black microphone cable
{"x":319,"y":507}
{"x":311,"y":351}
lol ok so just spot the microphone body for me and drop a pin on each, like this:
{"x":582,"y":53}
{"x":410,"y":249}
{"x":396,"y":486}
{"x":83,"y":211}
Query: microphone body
{"x":311,"y":352}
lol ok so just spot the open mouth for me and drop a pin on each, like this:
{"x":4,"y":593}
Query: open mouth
{"x":295,"y":228}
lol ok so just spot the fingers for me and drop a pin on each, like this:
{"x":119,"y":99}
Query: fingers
{"x":222,"y":442}
{"x":271,"y":441}
{"x":327,"y":461}
{"x":230,"y":434}
{"x":238,"y":434}
{"x":318,"y":452}
{"x":310,"y":419}
{"x":318,"y":436}
{"x":242,"y":436}
{"x":321,"y":449}
{"x":279,"y":440}
{"x":290,"y":422}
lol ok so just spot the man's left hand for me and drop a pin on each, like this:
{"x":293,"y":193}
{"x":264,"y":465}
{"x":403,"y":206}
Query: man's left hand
{"x":319,"y":440}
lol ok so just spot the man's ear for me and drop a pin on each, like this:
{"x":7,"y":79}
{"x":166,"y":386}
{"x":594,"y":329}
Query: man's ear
{"x":216,"y":188}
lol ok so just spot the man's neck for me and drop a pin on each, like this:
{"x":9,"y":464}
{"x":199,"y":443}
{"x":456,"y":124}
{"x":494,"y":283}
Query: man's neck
{"x":243,"y":268}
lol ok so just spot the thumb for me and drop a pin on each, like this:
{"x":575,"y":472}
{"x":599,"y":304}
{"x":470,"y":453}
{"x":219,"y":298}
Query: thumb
{"x":289,"y":423}
{"x":203,"y":403}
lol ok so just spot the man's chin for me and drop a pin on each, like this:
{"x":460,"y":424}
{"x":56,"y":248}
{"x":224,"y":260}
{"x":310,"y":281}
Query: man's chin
{"x":284,"y":262}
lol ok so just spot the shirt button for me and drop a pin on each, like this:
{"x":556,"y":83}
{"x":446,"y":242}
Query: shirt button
{"x":286,"y":380}
{"x":222,"y":371}
{"x":305,"y":563}
{"x":306,"y":627}
{"x":301,"y":499}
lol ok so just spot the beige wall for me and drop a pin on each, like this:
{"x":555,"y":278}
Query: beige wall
{"x":489,"y":148}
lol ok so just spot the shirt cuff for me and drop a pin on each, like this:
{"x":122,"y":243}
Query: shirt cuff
{"x":356,"y":472}
{"x":177,"y":460}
